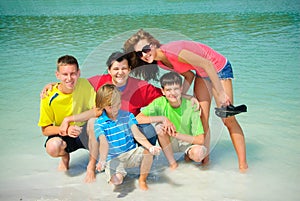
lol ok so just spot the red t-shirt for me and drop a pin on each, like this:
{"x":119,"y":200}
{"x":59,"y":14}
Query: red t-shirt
{"x":137,"y":93}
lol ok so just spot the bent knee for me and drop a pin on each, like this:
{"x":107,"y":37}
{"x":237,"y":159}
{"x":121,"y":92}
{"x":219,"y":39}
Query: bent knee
{"x":117,"y":179}
{"x":198,"y":153}
{"x":55,"y":147}
{"x":229,"y":121}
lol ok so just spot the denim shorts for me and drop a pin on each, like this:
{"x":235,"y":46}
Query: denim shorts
{"x":225,"y":73}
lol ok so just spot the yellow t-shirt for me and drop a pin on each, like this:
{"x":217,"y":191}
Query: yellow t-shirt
{"x":55,"y":107}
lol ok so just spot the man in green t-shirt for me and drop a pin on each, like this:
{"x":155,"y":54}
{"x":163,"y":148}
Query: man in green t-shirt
{"x":177,"y":122}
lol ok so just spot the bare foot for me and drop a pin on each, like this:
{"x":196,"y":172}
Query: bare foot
{"x":173,"y":166}
{"x":186,"y":158}
{"x":90,"y":176}
{"x":143,"y":185}
{"x":64,"y":163}
{"x":243,"y":168}
{"x":205,"y":161}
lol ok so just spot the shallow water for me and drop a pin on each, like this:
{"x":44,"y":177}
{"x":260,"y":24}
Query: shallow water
{"x":261,"y":39}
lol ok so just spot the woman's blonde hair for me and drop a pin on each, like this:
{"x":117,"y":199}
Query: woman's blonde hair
{"x":107,"y":95}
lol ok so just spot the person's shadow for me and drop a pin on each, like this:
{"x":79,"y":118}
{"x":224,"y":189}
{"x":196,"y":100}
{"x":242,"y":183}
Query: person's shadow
{"x":126,"y":187}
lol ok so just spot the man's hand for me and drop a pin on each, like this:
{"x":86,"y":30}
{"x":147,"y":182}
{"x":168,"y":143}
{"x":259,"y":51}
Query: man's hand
{"x":74,"y":131}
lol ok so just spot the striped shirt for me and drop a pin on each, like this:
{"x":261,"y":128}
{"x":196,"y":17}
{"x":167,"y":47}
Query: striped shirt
{"x":118,"y":133}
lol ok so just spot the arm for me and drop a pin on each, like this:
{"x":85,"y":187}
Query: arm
{"x":168,"y":125}
{"x":50,"y":130}
{"x":193,"y":59}
{"x":188,"y":80}
{"x":195,"y":102}
{"x":84,"y":116}
{"x":103,"y":151}
{"x":72,"y":131}
{"x":154,"y":150}
{"x":199,"y":139}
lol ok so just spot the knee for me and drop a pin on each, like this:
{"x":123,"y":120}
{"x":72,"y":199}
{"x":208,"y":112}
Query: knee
{"x":117,"y":179}
{"x":159,"y":130}
{"x":198,"y":153}
{"x":229,"y":121}
{"x":55,"y":147}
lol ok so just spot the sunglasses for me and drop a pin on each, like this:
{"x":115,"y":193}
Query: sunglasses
{"x":145,"y":49}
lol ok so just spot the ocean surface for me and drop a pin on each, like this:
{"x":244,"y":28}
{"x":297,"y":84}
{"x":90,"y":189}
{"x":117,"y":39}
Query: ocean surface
{"x":261,"y":38}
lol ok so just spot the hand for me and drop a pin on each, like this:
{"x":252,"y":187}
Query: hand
{"x":100,"y":166}
{"x":74,"y":131}
{"x":168,"y":127}
{"x":64,"y":127}
{"x":224,"y":99}
{"x":155,"y":150}
{"x":195,"y":103}
{"x":46,"y":89}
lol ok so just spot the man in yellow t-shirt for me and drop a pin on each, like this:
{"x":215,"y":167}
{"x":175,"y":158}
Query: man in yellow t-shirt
{"x":73,"y":95}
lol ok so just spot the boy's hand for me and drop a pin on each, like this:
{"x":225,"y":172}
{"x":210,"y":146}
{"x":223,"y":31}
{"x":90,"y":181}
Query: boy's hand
{"x":100,"y":166}
{"x":168,"y":127}
{"x":74,"y":131}
{"x":155,"y":150}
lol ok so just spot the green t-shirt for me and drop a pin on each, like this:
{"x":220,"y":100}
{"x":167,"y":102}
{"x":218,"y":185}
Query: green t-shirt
{"x":185,"y":118}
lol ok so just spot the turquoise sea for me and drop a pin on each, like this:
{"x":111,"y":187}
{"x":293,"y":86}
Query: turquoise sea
{"x":261,"y":38}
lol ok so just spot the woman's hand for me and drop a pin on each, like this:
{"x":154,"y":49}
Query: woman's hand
{"x":195,"y":103}
{"x":46,"y":89}
{"x":224,"y":99}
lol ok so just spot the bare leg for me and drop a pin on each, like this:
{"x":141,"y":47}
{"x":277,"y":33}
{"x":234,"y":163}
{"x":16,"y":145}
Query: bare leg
{"x":165,"y":143}
{"x":235,"y":130}
{"x":64,"y":162}
{"x":238,"y":141}
{"x":93,"y":148}
{"x":145,"y":169}
{"x":203,"y":92}
{"x":117,"y":179}
{"x":55,"y":147}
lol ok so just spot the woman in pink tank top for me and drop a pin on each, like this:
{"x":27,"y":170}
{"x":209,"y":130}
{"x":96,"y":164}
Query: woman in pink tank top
{"x":210,"y":71}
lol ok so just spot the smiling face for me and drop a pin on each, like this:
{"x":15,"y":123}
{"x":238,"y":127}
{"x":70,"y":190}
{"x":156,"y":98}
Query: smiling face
{"x":119,"y":72}
{"x":173,"y":94}
{"x":68,"y":74}
{"x":145,"y":50}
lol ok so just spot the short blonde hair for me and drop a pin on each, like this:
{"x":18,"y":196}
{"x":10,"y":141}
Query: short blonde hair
{"x":107,"y":95}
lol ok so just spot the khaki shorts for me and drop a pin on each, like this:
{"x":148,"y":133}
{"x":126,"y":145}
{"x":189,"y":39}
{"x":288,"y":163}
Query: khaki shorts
{"x":179,"y":146}
{"x":129,"y":159}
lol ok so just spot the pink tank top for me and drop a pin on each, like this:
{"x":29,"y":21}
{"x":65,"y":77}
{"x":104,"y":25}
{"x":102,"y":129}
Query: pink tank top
{"x":172,"y":50}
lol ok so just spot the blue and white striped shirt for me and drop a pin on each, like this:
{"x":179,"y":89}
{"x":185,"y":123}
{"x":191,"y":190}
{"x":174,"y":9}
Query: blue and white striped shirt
{"x":118,"y":133}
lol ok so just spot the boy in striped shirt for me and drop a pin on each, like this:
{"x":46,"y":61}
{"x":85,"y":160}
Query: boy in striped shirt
{"x":115,"y":130}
